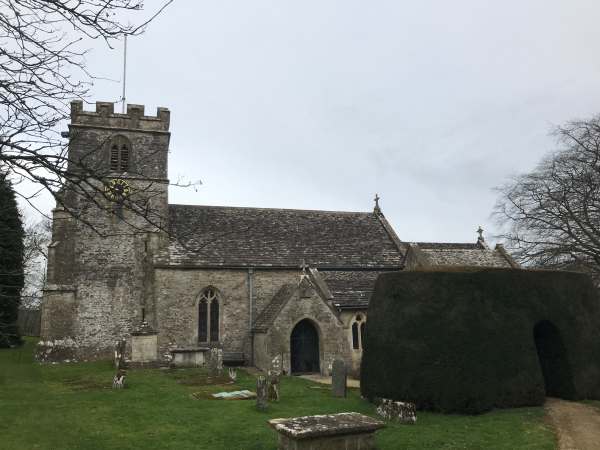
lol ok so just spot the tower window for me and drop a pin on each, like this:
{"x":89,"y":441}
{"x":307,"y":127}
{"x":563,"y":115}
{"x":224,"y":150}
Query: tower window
{"x":208,"y":316}
{"x":120,"y":149}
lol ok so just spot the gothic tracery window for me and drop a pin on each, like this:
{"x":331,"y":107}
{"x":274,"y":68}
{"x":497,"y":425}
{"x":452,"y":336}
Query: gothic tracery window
{"x":120,"y":152}
{"x":208,"y":316}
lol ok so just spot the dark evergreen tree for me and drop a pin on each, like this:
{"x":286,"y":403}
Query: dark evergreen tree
{"x":11,"y":264}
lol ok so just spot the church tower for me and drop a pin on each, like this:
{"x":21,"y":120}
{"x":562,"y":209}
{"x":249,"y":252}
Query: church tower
{"x":106,"y":229}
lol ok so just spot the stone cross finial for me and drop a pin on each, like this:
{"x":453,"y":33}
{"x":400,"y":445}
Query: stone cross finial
{"x":377,"y":209}
{"x":480,"y":231}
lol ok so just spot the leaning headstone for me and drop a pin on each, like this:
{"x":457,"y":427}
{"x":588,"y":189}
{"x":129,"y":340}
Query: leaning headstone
{"x":338,"y":378}
{"x":402,"y":412}
{"x":262,"y":387}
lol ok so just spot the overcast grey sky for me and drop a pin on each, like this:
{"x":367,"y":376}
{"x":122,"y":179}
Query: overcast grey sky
{"x":321,"y":104}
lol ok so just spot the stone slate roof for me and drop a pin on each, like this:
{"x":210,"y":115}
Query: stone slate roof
{"x":351,"y":289}
{"x":270,"y":312}
{"x":219,"y":236}
{"x":450,"y":254}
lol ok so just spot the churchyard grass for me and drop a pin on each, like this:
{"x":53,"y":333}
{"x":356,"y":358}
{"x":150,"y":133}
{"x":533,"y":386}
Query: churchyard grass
{"x":72,"y":406}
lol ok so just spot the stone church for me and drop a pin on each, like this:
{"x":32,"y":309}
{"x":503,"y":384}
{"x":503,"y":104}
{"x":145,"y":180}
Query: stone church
{"x":181,"y":279}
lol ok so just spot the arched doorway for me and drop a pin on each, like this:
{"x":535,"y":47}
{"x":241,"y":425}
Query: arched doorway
{"x":554,"y":363}
{"x":304,"y":348}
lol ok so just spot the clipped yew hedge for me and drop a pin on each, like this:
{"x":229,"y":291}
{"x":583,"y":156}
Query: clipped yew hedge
{"x":465,"y":341}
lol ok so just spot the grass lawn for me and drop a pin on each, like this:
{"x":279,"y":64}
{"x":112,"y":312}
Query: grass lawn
{"x":72,"y":406}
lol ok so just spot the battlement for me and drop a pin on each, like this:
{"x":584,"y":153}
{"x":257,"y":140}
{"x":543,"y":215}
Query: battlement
{"x":105,"y":116}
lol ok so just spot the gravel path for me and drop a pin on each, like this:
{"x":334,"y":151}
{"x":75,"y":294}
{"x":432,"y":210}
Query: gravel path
{"x":577,"y":425}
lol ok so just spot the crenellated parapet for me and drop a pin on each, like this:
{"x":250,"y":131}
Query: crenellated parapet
{"x":105,"y":117}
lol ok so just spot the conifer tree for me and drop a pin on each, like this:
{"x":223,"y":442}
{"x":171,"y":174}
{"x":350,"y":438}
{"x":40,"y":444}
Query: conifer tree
{"x":11,"y":264}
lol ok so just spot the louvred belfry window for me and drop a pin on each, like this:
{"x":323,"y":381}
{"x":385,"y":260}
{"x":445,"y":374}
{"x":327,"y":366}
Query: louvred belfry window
{"x":208,"y":316}
{"x":120,"y":152}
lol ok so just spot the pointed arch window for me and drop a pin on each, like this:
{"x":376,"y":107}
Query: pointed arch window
{"x":120,"y":154}
{"x":208,"y":315}
{"x":358,"y":332}
{"x":355,"y":338}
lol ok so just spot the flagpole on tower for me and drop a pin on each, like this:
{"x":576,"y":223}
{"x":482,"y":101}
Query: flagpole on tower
{"x":124,"y":74}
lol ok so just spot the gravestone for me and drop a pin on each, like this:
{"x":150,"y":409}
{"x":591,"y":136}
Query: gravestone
{"x":276,"y":365}
{"x":338,"y":378}
{"x":402,"y":412}
{"x":215,"y":361}
{"x":273,"y":393}
{"x":144,"y":344}
{"x":120,"y":354}
{"x":273,"y":376}
{"x":262,"y":387}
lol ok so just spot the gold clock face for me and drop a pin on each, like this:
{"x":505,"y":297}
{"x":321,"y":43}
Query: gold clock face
{"x":117,"y":189}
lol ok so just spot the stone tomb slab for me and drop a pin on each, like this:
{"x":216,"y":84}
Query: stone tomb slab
{"x":343,"y":431}
{"x":189,"y":357}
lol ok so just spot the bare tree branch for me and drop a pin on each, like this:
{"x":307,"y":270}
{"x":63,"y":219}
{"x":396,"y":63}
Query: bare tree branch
{"x":551,"y":216}
{"x":42,"y":69}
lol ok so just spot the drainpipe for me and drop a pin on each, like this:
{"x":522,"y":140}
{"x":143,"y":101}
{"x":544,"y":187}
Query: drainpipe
{"x":251,"y":312}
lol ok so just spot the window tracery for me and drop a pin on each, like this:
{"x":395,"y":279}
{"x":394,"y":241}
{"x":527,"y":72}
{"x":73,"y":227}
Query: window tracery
{"x":208,"y":315}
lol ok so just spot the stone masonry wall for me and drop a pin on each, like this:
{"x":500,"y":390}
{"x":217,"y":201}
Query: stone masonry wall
{"x":176,"y":297}
{"x":332,"y":335}
{"x":103,"y":256}
{"x":267,"y":283}
{"x":348,"y":318}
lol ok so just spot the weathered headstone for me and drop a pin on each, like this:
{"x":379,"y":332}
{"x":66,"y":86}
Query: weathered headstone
{"x":338,"y":378}
{"x":215,"y":361}
{"x":276,"y":365}
{"x":402,"y":412}
{"x":273,"y":379}
{"x":120,"y":354}
{"x":273,"y":376}
{"x":262,"y":387}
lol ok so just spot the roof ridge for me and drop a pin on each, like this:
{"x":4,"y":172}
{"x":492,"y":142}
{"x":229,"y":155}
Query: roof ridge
{"x":366,"y":213}
{"x":451,"y":244}
{"x":401,"y":246}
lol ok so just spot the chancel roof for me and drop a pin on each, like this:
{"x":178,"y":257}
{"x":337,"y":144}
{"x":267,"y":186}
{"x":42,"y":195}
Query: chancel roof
{"x":222,"y":236}
{"x":351,"y":289}
{"x":450,"y":254}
